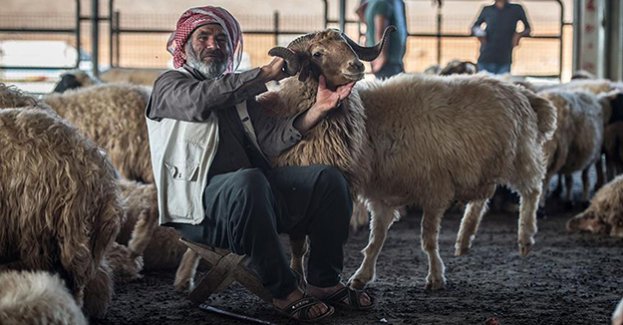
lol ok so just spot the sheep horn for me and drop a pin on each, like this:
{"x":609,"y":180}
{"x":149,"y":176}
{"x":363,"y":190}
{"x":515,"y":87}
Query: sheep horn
{"x":299,"y":44}
{"x":292,"y":64}
{"x":370,"y":53}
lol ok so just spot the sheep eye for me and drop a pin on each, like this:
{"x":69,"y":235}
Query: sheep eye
{"x":317,"y":54}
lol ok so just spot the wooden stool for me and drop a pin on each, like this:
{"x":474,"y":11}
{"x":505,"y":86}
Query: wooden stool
{"x":225,"y":267}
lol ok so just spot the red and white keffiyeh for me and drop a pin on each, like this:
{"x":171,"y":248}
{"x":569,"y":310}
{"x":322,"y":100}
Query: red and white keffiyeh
{"x":199,"y":16}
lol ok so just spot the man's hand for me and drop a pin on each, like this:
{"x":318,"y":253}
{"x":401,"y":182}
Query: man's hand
{"x":273,"y":70}
{"x":326,"y":100}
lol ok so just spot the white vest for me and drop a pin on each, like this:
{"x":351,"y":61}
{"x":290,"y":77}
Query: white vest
{"x":181,"y":154}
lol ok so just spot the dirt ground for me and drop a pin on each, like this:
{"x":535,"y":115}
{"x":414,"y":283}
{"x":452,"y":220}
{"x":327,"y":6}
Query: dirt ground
{"x":566,"y":279}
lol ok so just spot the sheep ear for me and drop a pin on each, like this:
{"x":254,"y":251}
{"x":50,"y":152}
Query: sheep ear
{"x":304,"y":72}
{"x":292,"y":64}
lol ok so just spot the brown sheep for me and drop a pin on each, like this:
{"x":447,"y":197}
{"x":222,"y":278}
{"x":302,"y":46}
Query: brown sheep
{"x":60,"y":206}
{"x":36,"y":298}
{"x":145,"y":77}
{"x":605,"y":214}
{"x":112,"y":116}
{"x":159,"y":245}
{"x":422,"y":140}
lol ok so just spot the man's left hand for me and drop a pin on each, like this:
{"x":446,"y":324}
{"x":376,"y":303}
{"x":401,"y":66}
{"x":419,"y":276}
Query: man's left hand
{"x":327,"y":99}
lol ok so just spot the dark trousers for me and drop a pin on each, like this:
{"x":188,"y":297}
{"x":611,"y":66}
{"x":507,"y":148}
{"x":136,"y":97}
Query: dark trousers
{"x":389,"y":69}
{"x":248,"y":208}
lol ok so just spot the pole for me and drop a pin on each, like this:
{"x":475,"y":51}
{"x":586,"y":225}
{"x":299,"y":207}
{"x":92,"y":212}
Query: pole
{"x":95,"y":36}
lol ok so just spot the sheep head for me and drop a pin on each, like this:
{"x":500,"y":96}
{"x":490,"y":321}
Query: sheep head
{"x":330,"y":53}
{"x":588,"y":221}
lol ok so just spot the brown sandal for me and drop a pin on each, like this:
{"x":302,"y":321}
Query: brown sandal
{"x":299,"y":310}
{"x":336,"y":299}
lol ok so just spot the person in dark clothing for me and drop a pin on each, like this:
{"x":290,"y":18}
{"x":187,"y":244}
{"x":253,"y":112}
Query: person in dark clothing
{"x":499,"y":37}
{"x":209,"y":141}
{"x":377,"y":15}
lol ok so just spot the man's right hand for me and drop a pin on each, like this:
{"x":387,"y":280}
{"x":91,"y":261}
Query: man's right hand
{"x":273,"y":70}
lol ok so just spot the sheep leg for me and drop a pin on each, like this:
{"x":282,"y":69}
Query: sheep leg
{"x":586,"y":183}
{"x":599,"y":170}
{"x":143,"y":231}
{"x":299,"y":248}
{"x":611,"y":169}
{"x":469,"y":226}
{"x":360,"y":215}
{"x":558,"y":190}
{"x":431,"y":223}
{"x":185,"y":275}
{"x":382,"y":218}
{"x":569,"y":185}
{"x":527,"y":219}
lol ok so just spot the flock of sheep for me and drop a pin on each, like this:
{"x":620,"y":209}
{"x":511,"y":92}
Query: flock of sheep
{"x":79,"y":208}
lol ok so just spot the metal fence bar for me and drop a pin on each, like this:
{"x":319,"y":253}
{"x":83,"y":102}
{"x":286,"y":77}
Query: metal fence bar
{"x":95,"y":37}
{"x":110,"y":33}
{"x":75,"y":30}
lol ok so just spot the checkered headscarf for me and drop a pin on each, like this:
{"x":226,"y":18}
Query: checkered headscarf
{"x":199,"y":16}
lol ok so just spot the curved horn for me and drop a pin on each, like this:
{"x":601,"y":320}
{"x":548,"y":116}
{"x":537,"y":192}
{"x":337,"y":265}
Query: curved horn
{"x":292,"y":65}
{"x":370,"y":53}
{"x":300,"y":42}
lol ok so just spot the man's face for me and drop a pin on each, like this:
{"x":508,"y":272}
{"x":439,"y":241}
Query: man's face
{"x":207,"y":50}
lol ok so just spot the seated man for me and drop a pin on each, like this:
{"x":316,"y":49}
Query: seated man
{"x":209,"y":139}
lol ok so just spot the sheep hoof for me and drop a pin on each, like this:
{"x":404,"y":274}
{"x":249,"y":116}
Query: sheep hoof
{"x":184,"y":286}
{"x":434,"y":285}
{"x":460,"y":251}
{"x":524,"y":249}
{"x":356,"y":284}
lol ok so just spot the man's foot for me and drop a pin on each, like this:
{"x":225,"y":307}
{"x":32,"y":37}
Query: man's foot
{"x":342,"y":296}
{"x":302,"y":308}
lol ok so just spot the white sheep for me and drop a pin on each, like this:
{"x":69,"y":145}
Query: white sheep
{"x":576,"y":143}
{"x":36,"y":298}
{"x":617,"y":315}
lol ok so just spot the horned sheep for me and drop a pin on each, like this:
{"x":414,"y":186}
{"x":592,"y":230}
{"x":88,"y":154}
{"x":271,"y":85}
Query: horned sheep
{"x":36,"y":298}
{"x":418,"y":140}
{"x":60,"y":208}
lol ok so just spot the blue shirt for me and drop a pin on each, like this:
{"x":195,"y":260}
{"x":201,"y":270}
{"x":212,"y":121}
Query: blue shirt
{"x":394,"y":13}
{"x":501,"y":26}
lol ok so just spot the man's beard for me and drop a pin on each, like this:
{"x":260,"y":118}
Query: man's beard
{"x":210,"y":71}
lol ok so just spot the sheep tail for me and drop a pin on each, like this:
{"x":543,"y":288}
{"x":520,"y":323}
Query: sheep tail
{"x":546,"y":115}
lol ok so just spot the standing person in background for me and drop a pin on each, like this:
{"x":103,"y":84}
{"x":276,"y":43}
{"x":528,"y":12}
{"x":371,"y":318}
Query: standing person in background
{"x":378,"y":14}
{"x":499,"y":37}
